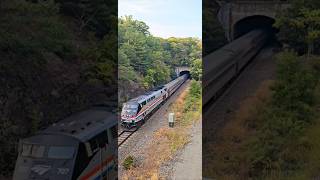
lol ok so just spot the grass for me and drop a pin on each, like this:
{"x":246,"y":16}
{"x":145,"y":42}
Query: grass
{"x":229,"y":158}
{"x":176,"y":139}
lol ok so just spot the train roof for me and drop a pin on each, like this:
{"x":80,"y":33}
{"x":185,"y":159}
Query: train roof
{"x":143,"y":97}
{"x":85,"y":124}
{"x":147,"y":94}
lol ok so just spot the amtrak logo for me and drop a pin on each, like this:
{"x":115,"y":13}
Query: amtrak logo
{"x":40,"y":169}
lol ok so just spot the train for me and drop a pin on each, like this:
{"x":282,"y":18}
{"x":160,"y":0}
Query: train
{"x":82,"y":146}
{"x":223,"y":65}
{"x":137,"y":110}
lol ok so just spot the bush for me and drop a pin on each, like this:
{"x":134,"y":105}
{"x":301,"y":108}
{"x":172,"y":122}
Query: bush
{"x":128,"y":163}
{"x":192,"y":101}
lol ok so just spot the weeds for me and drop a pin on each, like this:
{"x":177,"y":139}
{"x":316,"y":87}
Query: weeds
{"x":128,"y":163}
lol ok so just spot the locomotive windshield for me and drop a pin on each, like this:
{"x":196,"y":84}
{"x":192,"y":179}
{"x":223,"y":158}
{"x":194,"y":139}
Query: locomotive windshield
{"x":130,"y":109}
{"x":61,"y":152}
{"x":33,"y":150}
{"x":54,"y":152}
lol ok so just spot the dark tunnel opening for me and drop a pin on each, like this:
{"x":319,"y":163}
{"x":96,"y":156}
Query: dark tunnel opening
{"x":184,"y":72}
{"x":254,"y":22}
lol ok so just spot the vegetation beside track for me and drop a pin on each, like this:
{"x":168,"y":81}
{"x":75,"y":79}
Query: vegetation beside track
{"x":167,"y":141}
{"x":274,"y":134}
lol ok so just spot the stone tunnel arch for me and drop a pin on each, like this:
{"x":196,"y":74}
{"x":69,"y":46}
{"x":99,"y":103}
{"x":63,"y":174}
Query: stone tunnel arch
{"x":249,"y":23}
{"x":181,"y":70}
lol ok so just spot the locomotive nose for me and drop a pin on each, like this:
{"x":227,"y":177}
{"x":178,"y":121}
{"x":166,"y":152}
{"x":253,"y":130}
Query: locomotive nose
{"x":37,"y":170}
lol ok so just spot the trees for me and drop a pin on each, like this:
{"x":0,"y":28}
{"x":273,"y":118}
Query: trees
{"x":48,"y":70}
{"x":300,"y":26}
{"x":94,"y":15}
{"x":196,"y":69}
{"x":152,"y":58}
{"x":213,"y":33}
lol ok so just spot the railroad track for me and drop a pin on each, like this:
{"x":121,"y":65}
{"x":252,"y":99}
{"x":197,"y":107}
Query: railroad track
{"x":125,"y":134}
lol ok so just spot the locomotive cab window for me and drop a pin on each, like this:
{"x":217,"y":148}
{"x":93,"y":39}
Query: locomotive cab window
{"x":99,"y":141}
{"x":37,"y":151}
{"x":33,"y":150}
{"x":61,"y":152}
{"x":26,"y":149}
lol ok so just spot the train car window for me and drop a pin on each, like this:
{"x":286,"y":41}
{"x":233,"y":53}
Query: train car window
{"x":143,"y":103}
{"x":93,"y":144}
{"x":139,"y":108}
{"x":102,"y":139}
{"x":61,"y":152}
{"x":114,"y":132}
{"x":37,"y":151}
{"x":99,"y":141}
{"x":26,"y":149}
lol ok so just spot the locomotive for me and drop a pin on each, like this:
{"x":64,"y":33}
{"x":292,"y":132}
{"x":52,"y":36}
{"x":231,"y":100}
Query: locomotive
{"x":223,"y":65}
{"x":140,"y":108}
{"x":82,"y":146}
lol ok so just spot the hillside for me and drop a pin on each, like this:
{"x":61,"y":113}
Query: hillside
{"x":146,"y":61}
{"x":213,"y":33}
{"x":56,"y":58}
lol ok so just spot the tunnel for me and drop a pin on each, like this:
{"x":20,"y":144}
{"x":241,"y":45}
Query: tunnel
{"x":253,"y":22}
{"x":185,"y":72}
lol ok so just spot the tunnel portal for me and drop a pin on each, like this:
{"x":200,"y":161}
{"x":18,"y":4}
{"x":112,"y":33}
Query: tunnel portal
{"x":247,"y":24}
{"x":184,"y":72}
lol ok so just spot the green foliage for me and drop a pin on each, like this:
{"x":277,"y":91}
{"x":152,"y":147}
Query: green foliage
{"x":128,"y":162}
{"x":300,"y":26}
{"x":213,"y":33}
{"x":285,"y":118}
{"x":157,"y":74}
{"x":149,"y":61}
{"x":102,"y":66}
{"x":93,"y":15}
{"x":48,"y":69}
{"x":193,"y":100}
{"x":46,"y":34}
{"x":196,"y":69}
